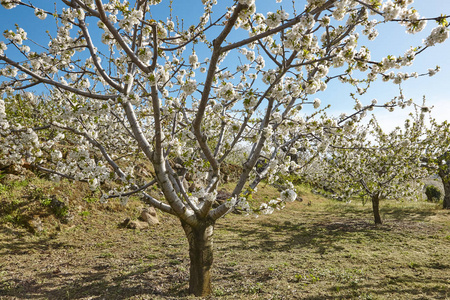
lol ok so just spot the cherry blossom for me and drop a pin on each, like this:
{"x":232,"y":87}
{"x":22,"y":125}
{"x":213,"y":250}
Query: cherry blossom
{"x":128,"y":85}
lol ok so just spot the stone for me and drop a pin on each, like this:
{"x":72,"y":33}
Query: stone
{"x":149,"y":215}
{"x":139,"y":225}
{"x":10,"y":178}
{"x":125,"y":223}
{"x":36,"y":225}
{"x":15,"y":170}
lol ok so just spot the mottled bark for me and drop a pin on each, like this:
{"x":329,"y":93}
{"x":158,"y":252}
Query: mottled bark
{"x":201,"y":258}
{"x":376,"y":208}
{"x":446,"y":183}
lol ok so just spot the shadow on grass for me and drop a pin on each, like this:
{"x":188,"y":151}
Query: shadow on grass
{"x":117,"y":278}
{"x":90,"y":284}
{"x":388,"y":210}
{"x":436,"y":288}
{"x":407,"y":213}
{"x":20,"y":246}
{"x":155,"y":282}
{"x":100,"y":277}
{"x":318,"y":237}
{"x":321,"y":232}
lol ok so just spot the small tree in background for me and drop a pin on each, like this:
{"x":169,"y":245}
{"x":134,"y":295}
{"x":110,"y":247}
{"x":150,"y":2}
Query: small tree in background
{"x":372,"y":164}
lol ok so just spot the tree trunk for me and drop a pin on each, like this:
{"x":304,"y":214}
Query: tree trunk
{"x":446,"y":184}
{"x":201,"y":256}
{"x":376,"y":208}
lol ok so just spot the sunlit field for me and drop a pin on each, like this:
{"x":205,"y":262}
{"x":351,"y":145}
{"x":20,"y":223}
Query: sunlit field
{"x":314,"y":249}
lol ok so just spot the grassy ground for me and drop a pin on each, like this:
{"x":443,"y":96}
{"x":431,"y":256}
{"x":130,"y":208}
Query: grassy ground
{"x":315,"y":249}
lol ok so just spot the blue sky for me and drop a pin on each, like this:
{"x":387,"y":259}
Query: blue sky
{"x":392,"y":40}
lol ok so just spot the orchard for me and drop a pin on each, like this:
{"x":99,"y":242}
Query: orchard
{"x":133,"y":81}
{"x":374,"y":165}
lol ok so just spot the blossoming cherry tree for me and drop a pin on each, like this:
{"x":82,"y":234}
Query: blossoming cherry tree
{"x":129,"y":81}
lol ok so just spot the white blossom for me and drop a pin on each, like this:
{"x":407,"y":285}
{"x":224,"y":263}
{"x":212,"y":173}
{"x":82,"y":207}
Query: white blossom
{"x":288,"y":195}
{"x":316,"y":103}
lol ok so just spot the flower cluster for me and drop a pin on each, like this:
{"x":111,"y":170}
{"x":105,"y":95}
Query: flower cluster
{"x":40,"y":13}
{"x":226,"y":91}
{"x":437,"y":35}
{"x":16,"y":37}
{"x":189,"y":87}
{"x":288,"y":195}
{"x":8,"y":4}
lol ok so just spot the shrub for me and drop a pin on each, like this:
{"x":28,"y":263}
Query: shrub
{"x":433,"y":193}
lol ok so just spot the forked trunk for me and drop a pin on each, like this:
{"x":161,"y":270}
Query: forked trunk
{"x":376,"y":208}
{"x":201,"y":256}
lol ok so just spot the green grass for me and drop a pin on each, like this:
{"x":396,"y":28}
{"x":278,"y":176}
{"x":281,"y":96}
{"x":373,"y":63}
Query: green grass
{"x":314,"y":249}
